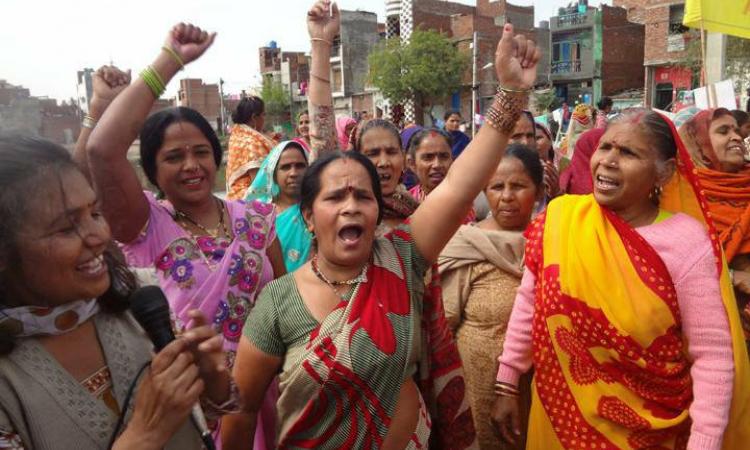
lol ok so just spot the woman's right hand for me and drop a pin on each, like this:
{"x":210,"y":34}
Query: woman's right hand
{"x":166,"y":394}
{"x":505,"y":418}
{"x":189,"y":41}
{"x":108,"y":82}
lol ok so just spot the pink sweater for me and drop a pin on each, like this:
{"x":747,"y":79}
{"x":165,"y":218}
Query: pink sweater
{"x":686,"y":250}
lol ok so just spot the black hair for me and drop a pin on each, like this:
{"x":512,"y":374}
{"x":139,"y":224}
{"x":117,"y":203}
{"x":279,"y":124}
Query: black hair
{"x":416,"y":140}
{"x":526,"y":113}
{"x":247,"y":108}
{"x":302,"y":113}
{"x":152,"y":136}
{"x":27,"y":162}
{"x":450,"y":113}
{"x":312,"y":180}
{"x":373,"y":124}
{"x":655,"y":126}
{"x":530,"y":160}
{"x":604,"y":102}
{"x":741,"y":117}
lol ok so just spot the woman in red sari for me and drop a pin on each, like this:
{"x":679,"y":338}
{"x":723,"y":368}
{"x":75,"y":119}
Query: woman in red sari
{"x":351,"y":331}
{"x":635,"y":339}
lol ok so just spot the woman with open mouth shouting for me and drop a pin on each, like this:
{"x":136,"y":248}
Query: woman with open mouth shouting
{"x":636,"y":340}
{"x":209,"y":254}
{"x":349,"y":331}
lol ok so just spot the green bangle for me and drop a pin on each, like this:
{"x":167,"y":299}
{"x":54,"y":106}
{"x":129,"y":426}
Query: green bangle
{"x":153,"y":80}
{"x":174,"y":55}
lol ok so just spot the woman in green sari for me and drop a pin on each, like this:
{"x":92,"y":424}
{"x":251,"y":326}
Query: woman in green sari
{"x":278,"y":181}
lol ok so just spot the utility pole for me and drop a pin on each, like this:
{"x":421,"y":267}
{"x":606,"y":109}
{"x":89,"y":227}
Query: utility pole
{"x":221,"y":106}
{"x":474,"y":86}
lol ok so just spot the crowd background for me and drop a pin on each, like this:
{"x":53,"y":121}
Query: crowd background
{"x":369,"y":286}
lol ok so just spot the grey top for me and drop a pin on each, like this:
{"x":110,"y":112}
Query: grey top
{"x":50,"y":410}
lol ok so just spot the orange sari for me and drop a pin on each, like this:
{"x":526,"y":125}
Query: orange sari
{"x":247,"y":148}
{"x":727,"y":194}
{"x":605,"y":377}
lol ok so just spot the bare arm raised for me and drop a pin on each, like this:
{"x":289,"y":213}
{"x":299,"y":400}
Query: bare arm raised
{"x":323,"y":24}
{"x":439,"y":216}
{"x":123,"y":202}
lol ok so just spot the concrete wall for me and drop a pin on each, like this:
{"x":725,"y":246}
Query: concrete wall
{"x":359,"y":35}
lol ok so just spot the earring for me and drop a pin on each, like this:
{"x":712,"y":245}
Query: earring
{"x":656,"y":192}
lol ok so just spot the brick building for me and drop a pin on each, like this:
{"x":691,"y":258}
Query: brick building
{"x":291,"y":69}
{"x":665,"y":43}
{"x":460,"y":22}
{"x":595,"y":52}
{"x":20,"y":111}
{"x":201,"y":97}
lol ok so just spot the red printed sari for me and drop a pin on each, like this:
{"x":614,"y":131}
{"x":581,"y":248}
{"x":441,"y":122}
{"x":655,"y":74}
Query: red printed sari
{"x":342,"y":388}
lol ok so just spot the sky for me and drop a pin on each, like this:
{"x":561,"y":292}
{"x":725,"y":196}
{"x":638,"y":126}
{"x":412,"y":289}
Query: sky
{"x":43,"y":43}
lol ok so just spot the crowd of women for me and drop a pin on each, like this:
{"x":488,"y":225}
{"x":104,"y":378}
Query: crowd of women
{"x":323,"y":304}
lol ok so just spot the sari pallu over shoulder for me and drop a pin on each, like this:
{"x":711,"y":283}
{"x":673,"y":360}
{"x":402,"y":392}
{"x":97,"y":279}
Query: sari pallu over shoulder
{"x":342,"y":390}
{"x":624,"y":382}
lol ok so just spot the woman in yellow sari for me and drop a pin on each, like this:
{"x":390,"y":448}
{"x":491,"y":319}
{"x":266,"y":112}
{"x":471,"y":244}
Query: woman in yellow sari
{"x":635,"y":341}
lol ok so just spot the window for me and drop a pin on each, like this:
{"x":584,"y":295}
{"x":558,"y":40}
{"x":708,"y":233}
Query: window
{"x":676,"y":14}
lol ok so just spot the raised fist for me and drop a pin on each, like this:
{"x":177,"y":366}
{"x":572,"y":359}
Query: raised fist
{"x":108,"y":82}
{"x":515,"y":60}
{"x":324,"y":21}
{"x":189,"y":41}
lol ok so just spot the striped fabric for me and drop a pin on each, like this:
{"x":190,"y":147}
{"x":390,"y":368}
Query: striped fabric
{"x":341,"y":379}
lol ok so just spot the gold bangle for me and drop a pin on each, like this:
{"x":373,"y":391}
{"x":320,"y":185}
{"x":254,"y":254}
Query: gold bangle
{"x":88,"y":122}
{"x":174,"y":55}
{"x":321,"y":40}
{"x":513,"y":91}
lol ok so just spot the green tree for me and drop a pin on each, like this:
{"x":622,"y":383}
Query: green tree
{"x":428,"y":68}
{"x":276,"y":99}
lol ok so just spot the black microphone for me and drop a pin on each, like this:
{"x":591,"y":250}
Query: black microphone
{"x":150,"y":308}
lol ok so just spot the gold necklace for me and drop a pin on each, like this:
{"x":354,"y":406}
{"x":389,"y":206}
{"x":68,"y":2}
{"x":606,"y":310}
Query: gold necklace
{"x":179,"y":215}
{"x":335,"y":285}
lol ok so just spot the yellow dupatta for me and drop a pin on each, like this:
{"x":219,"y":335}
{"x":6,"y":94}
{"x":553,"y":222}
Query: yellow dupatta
{"x":606,"y":331}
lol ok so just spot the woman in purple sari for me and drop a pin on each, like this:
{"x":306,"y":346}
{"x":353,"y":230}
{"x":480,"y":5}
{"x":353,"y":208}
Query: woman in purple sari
{"x":208,"y":254}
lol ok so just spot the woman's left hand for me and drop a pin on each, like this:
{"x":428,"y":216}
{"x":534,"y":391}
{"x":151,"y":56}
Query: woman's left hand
{"x":207,"y":347}
{"x":324,"y":20}
{"x":515,"y":60}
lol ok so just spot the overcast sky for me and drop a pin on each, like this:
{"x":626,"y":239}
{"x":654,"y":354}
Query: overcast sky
{"x":44,"y":43}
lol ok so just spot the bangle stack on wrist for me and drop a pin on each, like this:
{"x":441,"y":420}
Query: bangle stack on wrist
{"x":504,"y":112}
{"x":506,"y":389}
{"x":88,"y":122}
{"x":153,"y":80}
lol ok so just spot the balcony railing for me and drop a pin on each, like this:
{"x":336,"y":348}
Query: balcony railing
{"x":559,"y":67}
{"x":569,"y":20}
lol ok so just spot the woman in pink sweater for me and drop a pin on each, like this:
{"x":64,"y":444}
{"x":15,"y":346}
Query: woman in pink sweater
{"x":626,"y":312}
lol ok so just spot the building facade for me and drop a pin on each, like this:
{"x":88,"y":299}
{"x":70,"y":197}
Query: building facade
{"x":460,"y":22}
{"x":666,"y":81}
{"x":595,"y":52}
{"x":352,"y":93}
{"x":204,"y":98}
